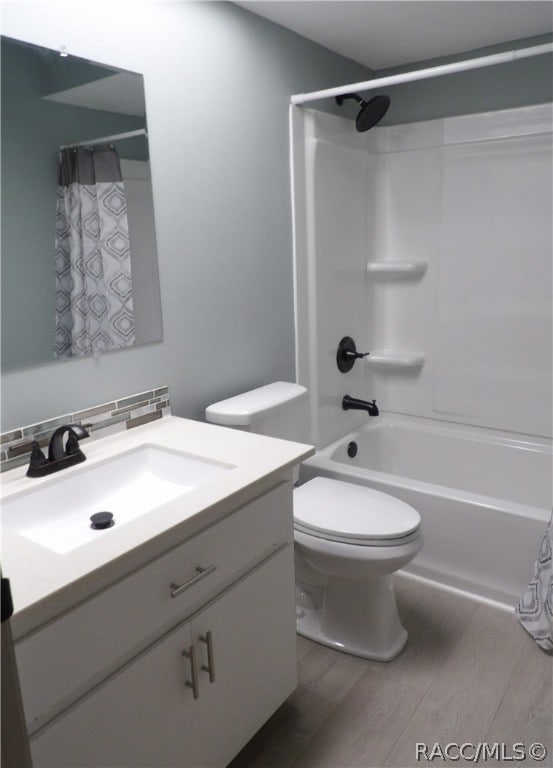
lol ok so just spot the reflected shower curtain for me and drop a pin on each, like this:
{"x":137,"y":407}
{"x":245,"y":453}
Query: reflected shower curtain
{"x":94,"y":305}
{"x":535,"y":608}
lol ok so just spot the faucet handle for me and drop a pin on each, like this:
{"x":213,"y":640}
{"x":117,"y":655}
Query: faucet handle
{"x":76,"y":433}
{"x":347,"y":354}
{"x":72,"y":445}
{"x":37,"y":459}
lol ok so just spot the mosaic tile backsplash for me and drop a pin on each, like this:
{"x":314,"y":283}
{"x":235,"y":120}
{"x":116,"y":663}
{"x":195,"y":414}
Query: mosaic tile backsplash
{"x":99,"y":420}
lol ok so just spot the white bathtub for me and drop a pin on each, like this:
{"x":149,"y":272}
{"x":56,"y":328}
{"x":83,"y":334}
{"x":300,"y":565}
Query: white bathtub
{"x":484,"y":497}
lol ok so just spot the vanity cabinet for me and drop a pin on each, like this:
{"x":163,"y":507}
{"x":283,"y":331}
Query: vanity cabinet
{"x":197,"y":692}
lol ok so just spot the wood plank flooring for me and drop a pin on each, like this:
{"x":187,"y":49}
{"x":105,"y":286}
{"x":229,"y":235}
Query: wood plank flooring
{"x":469,"y":673}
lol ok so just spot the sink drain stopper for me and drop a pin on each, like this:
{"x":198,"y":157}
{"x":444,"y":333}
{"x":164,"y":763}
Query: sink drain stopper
{"x":101,"y":520}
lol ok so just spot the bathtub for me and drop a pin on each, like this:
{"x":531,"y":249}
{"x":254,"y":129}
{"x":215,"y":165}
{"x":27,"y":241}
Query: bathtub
{"x":484,"y":497}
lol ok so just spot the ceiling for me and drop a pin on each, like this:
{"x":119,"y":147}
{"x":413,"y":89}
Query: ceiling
{"x":389,"y":33}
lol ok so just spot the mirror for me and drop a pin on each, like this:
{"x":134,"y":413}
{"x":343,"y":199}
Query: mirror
{"x":49,"y":101}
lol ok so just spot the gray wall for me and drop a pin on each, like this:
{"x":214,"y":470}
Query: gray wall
{"x":504,"y":86}
{"x":218,"y":81}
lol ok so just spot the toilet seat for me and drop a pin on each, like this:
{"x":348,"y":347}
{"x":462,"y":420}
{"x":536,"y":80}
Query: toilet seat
{"x":353,"y":514}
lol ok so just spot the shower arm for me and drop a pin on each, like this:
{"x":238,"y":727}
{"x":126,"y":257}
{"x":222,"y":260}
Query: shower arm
{"x":354,"y":96}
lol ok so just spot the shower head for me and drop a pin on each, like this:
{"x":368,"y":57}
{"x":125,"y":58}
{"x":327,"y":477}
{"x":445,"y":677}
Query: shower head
{"x":371,"y":111}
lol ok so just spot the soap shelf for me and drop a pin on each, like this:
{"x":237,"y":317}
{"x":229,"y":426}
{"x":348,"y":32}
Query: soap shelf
{"x":388,"y":358}
{"x":391,"y":269}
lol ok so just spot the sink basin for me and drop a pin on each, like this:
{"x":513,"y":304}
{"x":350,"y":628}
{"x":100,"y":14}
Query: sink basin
{"x":57,"y":515}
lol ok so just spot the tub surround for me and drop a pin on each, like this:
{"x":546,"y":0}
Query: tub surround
{"x":101,"y":420}
{"x":44,"y":584}
{"x":444,"y":271}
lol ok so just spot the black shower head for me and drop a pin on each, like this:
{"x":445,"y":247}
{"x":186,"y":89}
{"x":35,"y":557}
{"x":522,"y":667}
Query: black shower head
{"x":371,"y":111}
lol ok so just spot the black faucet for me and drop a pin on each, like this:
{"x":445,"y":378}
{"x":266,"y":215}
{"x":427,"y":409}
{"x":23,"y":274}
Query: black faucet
{"x":352,"y":403}
{"x":58,"y":456}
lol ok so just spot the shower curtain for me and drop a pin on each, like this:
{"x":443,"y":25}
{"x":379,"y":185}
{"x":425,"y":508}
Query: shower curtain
{"x":535,"y":608}
{"x":94,"y":304}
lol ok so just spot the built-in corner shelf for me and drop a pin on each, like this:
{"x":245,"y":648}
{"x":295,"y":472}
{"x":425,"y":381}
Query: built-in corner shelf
{"x":388,"y":358}
{"x":391,"y":269}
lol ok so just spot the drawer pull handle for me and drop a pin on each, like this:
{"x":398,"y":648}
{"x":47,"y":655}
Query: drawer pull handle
{"x":177,"y":589}
{"x":210,"y":668}
{"x":191,"y":654}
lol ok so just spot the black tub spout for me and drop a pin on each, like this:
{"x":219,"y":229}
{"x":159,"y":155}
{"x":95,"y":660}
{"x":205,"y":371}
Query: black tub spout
{"x":353,"y":403}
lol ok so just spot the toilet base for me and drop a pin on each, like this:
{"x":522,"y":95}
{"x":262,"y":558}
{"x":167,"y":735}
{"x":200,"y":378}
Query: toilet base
{"x":359,"y":619}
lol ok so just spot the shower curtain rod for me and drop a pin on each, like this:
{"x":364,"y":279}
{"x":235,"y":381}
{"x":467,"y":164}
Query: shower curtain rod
{"x":107,"y":139}
{"x":422,"y":74}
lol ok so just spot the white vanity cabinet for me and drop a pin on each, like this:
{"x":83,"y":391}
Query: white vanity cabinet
{"x":223,"y":660}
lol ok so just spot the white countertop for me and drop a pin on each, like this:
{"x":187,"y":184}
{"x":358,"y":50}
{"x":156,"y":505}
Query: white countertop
{"x":45,"y":583}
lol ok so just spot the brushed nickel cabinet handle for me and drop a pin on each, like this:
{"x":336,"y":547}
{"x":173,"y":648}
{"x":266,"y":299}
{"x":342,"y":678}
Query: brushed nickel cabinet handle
{"x":178,"y":589}
{"x":191,"y":654}
{"x":210,"y":668}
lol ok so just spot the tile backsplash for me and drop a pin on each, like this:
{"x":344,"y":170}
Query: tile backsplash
{"x":99,"y":420}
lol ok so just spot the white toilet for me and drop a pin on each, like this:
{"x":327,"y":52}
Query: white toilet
{"x":349,"y":539}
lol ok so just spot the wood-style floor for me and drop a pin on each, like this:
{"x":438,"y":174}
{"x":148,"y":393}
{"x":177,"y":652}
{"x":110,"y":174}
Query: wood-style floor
{"x":469,"y":673}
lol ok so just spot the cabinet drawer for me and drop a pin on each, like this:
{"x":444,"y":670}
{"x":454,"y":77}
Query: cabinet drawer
{"x":62,"y":660}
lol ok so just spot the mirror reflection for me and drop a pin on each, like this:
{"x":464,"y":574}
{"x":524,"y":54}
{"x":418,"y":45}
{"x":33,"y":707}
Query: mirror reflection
{"x":79,"y":261}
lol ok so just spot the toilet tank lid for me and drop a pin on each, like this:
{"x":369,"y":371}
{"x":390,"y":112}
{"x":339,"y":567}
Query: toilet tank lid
{"x":243,"y":410}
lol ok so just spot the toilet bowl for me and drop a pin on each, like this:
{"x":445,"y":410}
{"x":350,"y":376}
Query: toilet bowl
{"x":348,"y":539}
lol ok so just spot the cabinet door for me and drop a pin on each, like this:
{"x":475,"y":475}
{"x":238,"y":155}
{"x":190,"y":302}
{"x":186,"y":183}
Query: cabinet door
{"x":253,"y":640}
{"x":145,"y":715}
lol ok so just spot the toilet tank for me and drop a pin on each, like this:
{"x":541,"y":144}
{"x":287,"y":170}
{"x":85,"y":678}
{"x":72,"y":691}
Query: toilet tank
{"x":279,"y":409}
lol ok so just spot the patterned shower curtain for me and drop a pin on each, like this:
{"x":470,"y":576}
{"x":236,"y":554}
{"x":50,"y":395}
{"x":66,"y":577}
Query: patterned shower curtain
{"x":535,"y":608}
{"x":94,"y":305}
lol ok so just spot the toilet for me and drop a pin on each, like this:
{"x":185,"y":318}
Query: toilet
{"x":348,"y":539}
